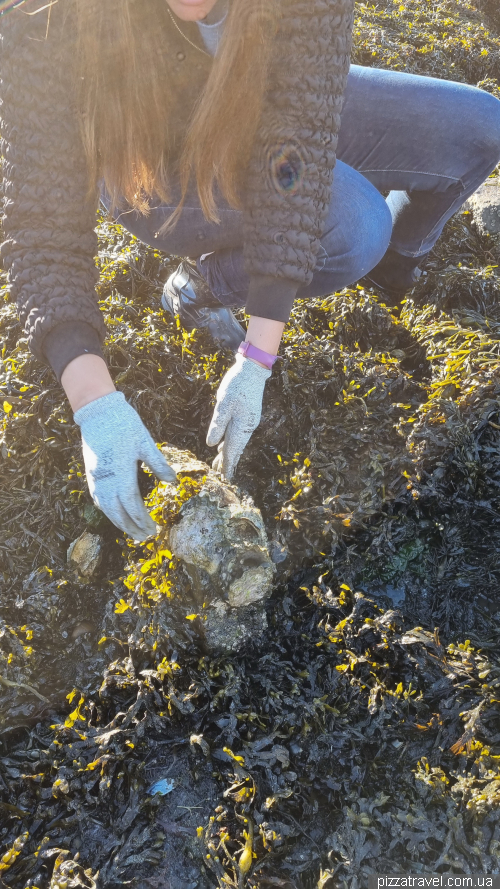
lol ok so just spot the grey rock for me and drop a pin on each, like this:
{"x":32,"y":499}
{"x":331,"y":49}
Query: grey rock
{"x":228,"y":630}
{"x":85,"y":553}
{"x":484,"y":205}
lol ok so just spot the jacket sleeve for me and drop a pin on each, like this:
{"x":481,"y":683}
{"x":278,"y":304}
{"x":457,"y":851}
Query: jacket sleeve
{"x":50,"y":245}
{"x":291,"y":171}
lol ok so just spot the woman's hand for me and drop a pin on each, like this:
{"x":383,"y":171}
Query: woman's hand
{"x":237,"y":412}
{"x":114,"y":440}
{"x":238,"y":407}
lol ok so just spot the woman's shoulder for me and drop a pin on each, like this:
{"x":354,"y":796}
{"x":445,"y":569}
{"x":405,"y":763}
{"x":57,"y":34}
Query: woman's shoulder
{"x":38,"y":36}
{"x":43,"y":20}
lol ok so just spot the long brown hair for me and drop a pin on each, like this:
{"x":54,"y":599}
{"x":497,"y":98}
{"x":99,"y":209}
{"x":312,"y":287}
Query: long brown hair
{"x":131,"y":113}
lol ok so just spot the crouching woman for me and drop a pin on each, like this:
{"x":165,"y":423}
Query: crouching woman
{"x":211,"y":129}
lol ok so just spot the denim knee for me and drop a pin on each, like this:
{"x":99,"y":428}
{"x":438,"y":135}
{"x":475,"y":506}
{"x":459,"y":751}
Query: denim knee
{"x":483,"y":126}
{"x":370,"y":238}
{"x":356,"y":244}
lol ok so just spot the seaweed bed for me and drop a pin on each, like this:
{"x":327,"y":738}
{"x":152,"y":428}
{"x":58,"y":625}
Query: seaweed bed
{"x":359,"y":738}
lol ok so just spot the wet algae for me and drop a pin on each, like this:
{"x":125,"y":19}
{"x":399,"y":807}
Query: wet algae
{"x":355,"y":737}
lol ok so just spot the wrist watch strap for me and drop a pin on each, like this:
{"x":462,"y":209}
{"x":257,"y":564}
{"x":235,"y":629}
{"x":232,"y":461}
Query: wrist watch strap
{"x":256,"y":354}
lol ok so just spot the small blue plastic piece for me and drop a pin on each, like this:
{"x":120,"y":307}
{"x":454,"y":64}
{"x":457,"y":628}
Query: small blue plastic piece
{"x":164,"y":786}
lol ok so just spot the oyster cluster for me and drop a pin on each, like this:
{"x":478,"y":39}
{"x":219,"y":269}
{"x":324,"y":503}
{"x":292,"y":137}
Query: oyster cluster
{"x":220,"y":538}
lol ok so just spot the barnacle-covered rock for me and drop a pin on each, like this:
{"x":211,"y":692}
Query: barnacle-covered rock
{"x":85,"y":553}
{"x":484,"y":205}
{"x":220,"y":538}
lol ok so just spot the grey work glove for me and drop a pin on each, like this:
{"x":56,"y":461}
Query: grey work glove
{"x":114,"y":440}
{"x":237,"y":412}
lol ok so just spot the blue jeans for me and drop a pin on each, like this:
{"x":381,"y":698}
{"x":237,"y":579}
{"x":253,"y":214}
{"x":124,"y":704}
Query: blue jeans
{"x":429,"y":143}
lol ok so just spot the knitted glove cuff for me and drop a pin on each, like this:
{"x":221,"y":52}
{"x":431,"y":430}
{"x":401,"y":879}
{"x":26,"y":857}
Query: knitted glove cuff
{"x":250,"y":367}
{"x":101,"y":407}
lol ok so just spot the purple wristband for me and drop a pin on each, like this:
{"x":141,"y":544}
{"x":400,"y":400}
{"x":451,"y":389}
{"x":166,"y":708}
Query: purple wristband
{"x":256,"y":354}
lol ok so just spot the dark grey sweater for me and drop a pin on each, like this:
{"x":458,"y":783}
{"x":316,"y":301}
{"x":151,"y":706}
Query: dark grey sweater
{"x":50,"y":245}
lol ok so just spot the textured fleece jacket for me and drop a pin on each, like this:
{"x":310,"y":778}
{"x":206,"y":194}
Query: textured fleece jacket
{"x":50,"y":244}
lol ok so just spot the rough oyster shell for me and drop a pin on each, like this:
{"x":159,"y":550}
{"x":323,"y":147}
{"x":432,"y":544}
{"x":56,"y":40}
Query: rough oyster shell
{"x":221,"y":540}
